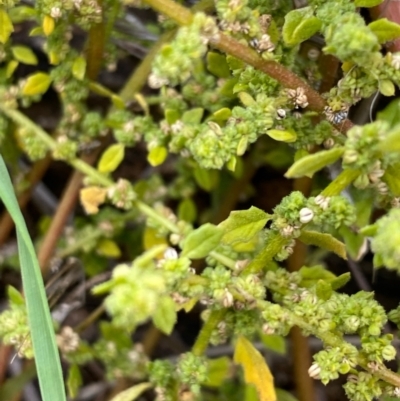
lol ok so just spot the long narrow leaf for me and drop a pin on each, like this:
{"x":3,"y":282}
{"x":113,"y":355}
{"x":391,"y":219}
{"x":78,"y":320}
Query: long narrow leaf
{"x":47,"y":359}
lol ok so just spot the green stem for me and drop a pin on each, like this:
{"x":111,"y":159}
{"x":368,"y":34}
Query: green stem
{"x":203,"y":339}
{"x":274,"y":245}
{"x":228,"y":262}
{"x":95,"y":47}
{"x":150,"y":212}
{"x":23,"y":121}
{"x":336,"y":341}
{"x":343,"y":180}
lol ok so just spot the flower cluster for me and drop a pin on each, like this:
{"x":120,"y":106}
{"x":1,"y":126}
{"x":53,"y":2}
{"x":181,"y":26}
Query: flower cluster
{"x":296,"y":210}
{"x":135,"y":294}
{"x":385,"y":243}
{"x":175,"y":62}
{"x":14,"y":329}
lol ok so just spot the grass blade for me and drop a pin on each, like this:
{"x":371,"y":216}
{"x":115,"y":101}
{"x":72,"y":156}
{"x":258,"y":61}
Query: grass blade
{"x":47,"y":359}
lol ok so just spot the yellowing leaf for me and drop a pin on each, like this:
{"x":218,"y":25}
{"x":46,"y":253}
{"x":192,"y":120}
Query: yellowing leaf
{"x":150,"y":239}
{"x":79,"y":68}
{"x":282,"y":135}
{"x":111,"y":158}
{"x":189,"y":305}
{"x":108,"y":248}
{"x":54,"y":58}
{"x":157,"y":155}
{"x":48,"y":25}
{"x":6,"y":26}
{"x":92,"y":198}
{"x":36,"y":84}
{"x":131,"y":393}
{"x":255,"y":369}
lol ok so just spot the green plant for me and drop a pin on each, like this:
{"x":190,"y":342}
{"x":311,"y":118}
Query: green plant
{"x":230,"y":90}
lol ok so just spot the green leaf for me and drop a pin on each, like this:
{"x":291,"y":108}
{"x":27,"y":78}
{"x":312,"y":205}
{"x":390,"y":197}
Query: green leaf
{"x":299,"y":26}
{"x":243,"y":225}
{"x":324,"y":241}
{"x":79,"y":68}
{"x":311,"y":275}
{"x":24,"y":55}
{"x":6,"y":26}
{"x":41,"y":325}
{"x":200,"y":242}
{"x":282,"y":135}
{"x":157,"y":155}
{"x":171,"y":115}
{"x":11,"y":67}
{"x":274,"y":342}
{"x":21,"y":13}
{"x":370,"y":230}
{"x":256,"y":371}
{"x":323,"y":290}
{"x":235,"y":63}
{"x":217,"y":65}
{"x":385,"y":30}
{"x":218,"y":370}
{"x":386,"y":87}
{"x":193,"y":116}
{"x":392,"y":179}
{"x":242,"y":146}
{"x":165,"y":316}
{"x":131,"y":393}
{"x":246,"y":99}
{"x":15,"y":296}
{"x":206,"y":179}
{"x":74,"y":381}
{"x":108,"y":248}
{"x":111,"y":158}
{"x":392,"y":141}
{"x":312,"y":163}
{"x":11,"y":388}
{"x":221,"y":115}
{"x":36,"y":84}
{"x":367,"y":3}
{"x":187,"y":210}
{"x":284,"y":395}
{"x":391,"y":113}
{"x":340,"y":281}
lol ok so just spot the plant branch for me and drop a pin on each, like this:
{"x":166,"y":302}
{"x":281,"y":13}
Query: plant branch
{"x":343,"y":180}
{"x":231,"y":46}
{"x":203,"y":339}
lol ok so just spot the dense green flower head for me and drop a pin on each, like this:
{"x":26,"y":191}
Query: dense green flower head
{"x":386,"y":243}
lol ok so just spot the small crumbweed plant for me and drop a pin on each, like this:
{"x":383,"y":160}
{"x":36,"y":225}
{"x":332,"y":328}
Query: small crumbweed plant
{"x":231,"y":87}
